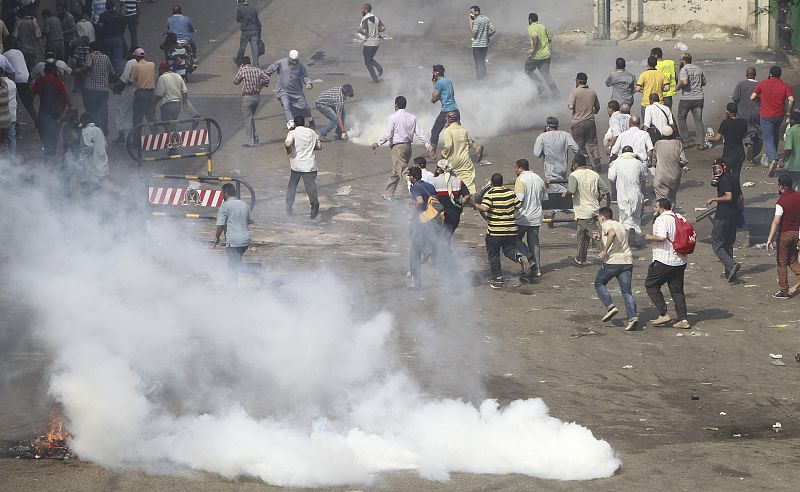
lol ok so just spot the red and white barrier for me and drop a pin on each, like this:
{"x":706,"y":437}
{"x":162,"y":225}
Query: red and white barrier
{"x":177,"y":196}
{"x":189,"y":138}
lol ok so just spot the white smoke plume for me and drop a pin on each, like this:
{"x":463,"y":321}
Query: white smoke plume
{"x":160,"y":368}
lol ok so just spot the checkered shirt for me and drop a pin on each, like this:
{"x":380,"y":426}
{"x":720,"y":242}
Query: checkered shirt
{"x":332,"y":97}
{"x":252,"y":80}
{"x":99,"y":71}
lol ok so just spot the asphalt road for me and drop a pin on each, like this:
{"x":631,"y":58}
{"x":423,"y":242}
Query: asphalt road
{"x":543,"y":335}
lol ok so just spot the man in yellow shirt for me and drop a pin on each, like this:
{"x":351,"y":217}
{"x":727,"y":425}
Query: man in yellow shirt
{"x":667,"y":67}
{"x":457,"y":144}
{"x":540,"y":54}
{"x":651,"y":81}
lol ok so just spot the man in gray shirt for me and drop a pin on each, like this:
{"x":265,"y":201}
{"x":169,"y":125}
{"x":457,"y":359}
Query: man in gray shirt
{"x":749,"y":110}
{"x":553,"y":146}
{"x":233,"y":217}
{"x":250,"y":24}
{"x":690,"y":82}
{"x":292,"y":79}
{"x":622,"y":84}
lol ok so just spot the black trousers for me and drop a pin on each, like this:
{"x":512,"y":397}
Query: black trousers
{"x":439,"y":125}
{"x":479,"y":54}
{"x":659,"y":274}
{"x":723,"y":237}
{"x":372,"y":65}
{"x":493,"y":246}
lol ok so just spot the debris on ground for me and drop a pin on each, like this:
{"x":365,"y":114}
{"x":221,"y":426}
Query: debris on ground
{"x":628,"y":366}
{"x":778,"y":363}
{"x":723,"y":413}
{"x":658,"y":38}
{"x":777,"y":426}
{"x":698,"y":36}
{"x":776,"y":356}
{"x":343,"y":191}
{"x":748,"y":184}
{"x":680,"y":47}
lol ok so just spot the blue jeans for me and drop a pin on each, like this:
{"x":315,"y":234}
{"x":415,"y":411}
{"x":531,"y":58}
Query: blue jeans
{"x":251,"y":38}
{"x":332,"y":121}
{"x":624,"y":275}
{"x":115,"y":49}
{"x":771,"y":132}
{"x":12,"y":139}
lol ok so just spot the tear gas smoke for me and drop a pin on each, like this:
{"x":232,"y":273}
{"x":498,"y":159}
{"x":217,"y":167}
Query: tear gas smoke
{"x":160,"y":368}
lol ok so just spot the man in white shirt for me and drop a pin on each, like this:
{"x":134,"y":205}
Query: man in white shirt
{"x":94,"y":153}
{"x":301,"y":144}
{"x":638,"y":139}
{"x":628,"y":174}
{"x":668,"y":267}
{"x":12,"y":113}
{"x":529,"y":188}
{"x":657,"y":115}
{"x":618,"y":122}
{"x":617,"y":263}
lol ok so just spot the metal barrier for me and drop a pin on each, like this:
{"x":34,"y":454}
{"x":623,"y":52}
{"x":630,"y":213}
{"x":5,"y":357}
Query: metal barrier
{"x":164,"y":135}
{"x":193,"y":195}
{"x":554,"y":201}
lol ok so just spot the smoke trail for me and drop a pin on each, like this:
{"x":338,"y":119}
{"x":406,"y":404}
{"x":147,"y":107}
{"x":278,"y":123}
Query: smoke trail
{"x":160,"y":368}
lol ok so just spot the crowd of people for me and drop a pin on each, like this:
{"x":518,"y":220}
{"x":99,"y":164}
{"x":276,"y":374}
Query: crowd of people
{"x":82,"y":49}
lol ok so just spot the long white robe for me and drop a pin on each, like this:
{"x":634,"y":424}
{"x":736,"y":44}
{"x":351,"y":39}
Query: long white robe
{"x":628,"y":173}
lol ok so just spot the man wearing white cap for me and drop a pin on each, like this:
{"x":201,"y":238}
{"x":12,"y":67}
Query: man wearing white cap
{"x":292,"y":78}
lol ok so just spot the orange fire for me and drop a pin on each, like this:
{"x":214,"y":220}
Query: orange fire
{"x":54,"y":440}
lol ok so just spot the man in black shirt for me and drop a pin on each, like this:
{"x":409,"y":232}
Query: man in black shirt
{"x":726,"y":220}
{"x":734,"y":130}
{"x":112,"y":28}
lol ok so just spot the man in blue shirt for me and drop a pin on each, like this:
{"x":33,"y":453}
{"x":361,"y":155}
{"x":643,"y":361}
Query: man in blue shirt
{"x":442,"y":92}
{"x":182,"y":27}
{"x":423,"y":234}
{"x":233,"y":217}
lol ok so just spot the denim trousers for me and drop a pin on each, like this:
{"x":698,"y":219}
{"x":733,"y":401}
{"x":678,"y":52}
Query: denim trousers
{"x":624,"y":276}
{"x":330,"y":113}
{"x":531,"y":249}
{"x":771,"y":133}
{"x":250,"y":103}
{"x":251,"y":38}
{"x":694,"y":106}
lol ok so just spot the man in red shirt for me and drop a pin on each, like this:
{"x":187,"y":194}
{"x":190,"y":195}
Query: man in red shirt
{"x":787,"y":219}
{"x":53,"y":100}
{"x":777,"y":101}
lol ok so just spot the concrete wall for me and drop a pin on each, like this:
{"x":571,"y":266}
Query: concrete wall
{"x":736,"y":14}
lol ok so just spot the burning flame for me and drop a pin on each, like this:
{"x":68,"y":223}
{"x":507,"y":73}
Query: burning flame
{"x":54,"y":439}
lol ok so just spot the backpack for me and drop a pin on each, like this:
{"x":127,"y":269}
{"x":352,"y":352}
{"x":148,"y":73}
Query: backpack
{"x":685,"y":237}
{"x":434,"y":211}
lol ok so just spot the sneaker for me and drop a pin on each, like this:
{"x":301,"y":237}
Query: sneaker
{"x":781,"y":295}
{"x":633,"y":325}
{"x":526,"y":266}
{"x":732,"y":275}
{"x":255,"y":139}
{"x":314,"y":210}
{"x":323,"y":138}
{"x":773,"y":166}
{"x":248,"y":144}
{"x":576,"y":261}
{"x":496,"y":282}
{"x":682,"y":324}
{"x":411,"y":283}
{"x":612,"y":311}
{"x":387,"y":197}
{"x":662,"y":320}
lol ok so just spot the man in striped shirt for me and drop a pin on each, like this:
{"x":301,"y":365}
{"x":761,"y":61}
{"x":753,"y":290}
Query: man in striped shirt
{"x":331,"y":104}
{"x":131,"y":12}
{"x":482,"y":29}
{"x":500,"y":204}
{"x":252,"y":79}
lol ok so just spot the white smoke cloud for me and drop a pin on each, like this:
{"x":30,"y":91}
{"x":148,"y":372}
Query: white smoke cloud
{"x":159,"y":367}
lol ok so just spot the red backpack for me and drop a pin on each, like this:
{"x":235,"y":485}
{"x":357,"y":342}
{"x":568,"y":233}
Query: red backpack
{"x":685,"y":237}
